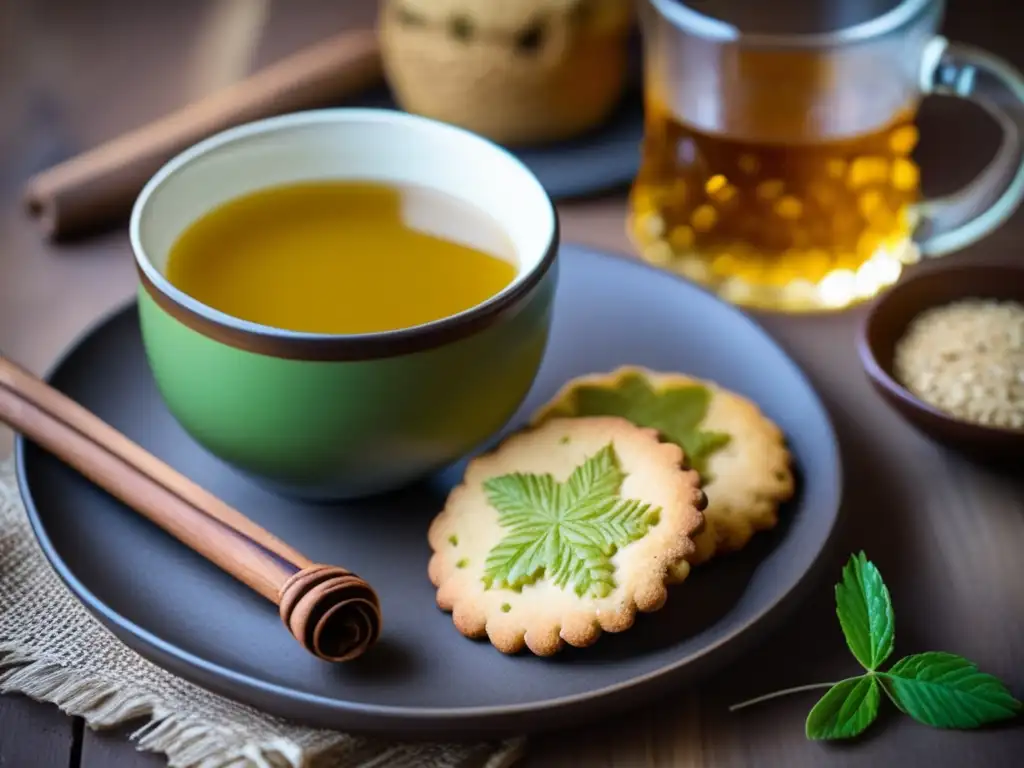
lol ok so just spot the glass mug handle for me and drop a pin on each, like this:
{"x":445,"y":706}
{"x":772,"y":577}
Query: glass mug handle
{"x":953,"y":222}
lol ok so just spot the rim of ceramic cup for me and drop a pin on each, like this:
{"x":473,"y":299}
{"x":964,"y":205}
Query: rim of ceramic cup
{"x":527,"y":209}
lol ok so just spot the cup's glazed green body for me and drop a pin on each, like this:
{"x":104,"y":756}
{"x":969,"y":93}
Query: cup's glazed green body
{"x":331,"y":417}
{"x":349,"y":427}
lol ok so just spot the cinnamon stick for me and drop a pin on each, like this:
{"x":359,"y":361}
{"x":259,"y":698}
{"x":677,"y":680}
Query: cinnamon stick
{"x":98,"y":188}
{"x":332,"y":612}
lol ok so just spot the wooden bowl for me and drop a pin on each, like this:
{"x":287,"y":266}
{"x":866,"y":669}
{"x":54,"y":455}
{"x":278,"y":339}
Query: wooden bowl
{"x":885,"y":324}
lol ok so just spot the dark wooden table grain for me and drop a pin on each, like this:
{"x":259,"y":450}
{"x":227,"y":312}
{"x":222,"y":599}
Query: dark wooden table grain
{"x":948,"y":535}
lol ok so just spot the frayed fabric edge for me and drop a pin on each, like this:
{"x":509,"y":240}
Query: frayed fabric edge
{"x":186,"y":741}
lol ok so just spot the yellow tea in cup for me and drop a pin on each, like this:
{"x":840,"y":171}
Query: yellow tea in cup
{"x":343,"y":257}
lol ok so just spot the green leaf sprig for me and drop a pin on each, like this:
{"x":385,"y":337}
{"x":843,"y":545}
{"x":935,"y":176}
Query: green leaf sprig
{"x":942,"y":690}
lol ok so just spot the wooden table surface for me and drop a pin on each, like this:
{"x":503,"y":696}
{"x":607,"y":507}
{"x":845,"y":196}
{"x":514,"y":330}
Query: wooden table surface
{"x":948,"y":536}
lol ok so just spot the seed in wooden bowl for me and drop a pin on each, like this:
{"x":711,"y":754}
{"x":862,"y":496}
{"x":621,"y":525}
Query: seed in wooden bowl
{"x":966,"y":358}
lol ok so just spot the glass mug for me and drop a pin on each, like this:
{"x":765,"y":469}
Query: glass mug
{"x":776,"y":164}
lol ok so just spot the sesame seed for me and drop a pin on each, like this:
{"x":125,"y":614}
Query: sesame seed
{"x":967,"y":359}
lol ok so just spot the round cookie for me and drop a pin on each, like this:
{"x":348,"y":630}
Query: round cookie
{"x":519,"y":73}
{"x":741,"y":454}
{"x":562,"y":532}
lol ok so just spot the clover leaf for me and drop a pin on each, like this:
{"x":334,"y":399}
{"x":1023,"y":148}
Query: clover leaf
{"x":942,"y":690}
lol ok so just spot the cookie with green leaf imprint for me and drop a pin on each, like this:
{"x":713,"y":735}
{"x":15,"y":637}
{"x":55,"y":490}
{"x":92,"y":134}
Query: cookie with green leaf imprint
{"x":741,"y":454}
{"x":562,"y":532}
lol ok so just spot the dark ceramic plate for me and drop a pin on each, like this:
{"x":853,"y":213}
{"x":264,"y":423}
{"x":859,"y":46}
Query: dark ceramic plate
{"x":604,"y":158}
{"x":424,"y":679}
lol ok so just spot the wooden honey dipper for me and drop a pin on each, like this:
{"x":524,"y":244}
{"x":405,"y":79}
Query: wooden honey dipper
{"x":333,"y":613}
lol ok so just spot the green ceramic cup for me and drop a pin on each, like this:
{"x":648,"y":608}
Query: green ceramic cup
{"x":335,"y":416}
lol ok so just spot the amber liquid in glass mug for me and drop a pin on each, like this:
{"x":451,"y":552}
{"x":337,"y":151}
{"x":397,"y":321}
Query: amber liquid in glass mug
{"x":777,"y":163}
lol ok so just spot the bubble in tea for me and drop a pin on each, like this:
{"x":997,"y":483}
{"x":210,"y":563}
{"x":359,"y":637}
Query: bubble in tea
{"x":801,"y":225}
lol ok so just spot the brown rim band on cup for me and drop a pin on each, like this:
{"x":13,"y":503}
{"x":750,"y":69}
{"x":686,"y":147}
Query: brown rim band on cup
{"x":330,"y":348}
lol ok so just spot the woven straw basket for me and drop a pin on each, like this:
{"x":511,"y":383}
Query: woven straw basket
{"x":516,"y":71}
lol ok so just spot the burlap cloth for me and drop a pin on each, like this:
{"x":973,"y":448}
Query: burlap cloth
{"x":53,"y":650}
